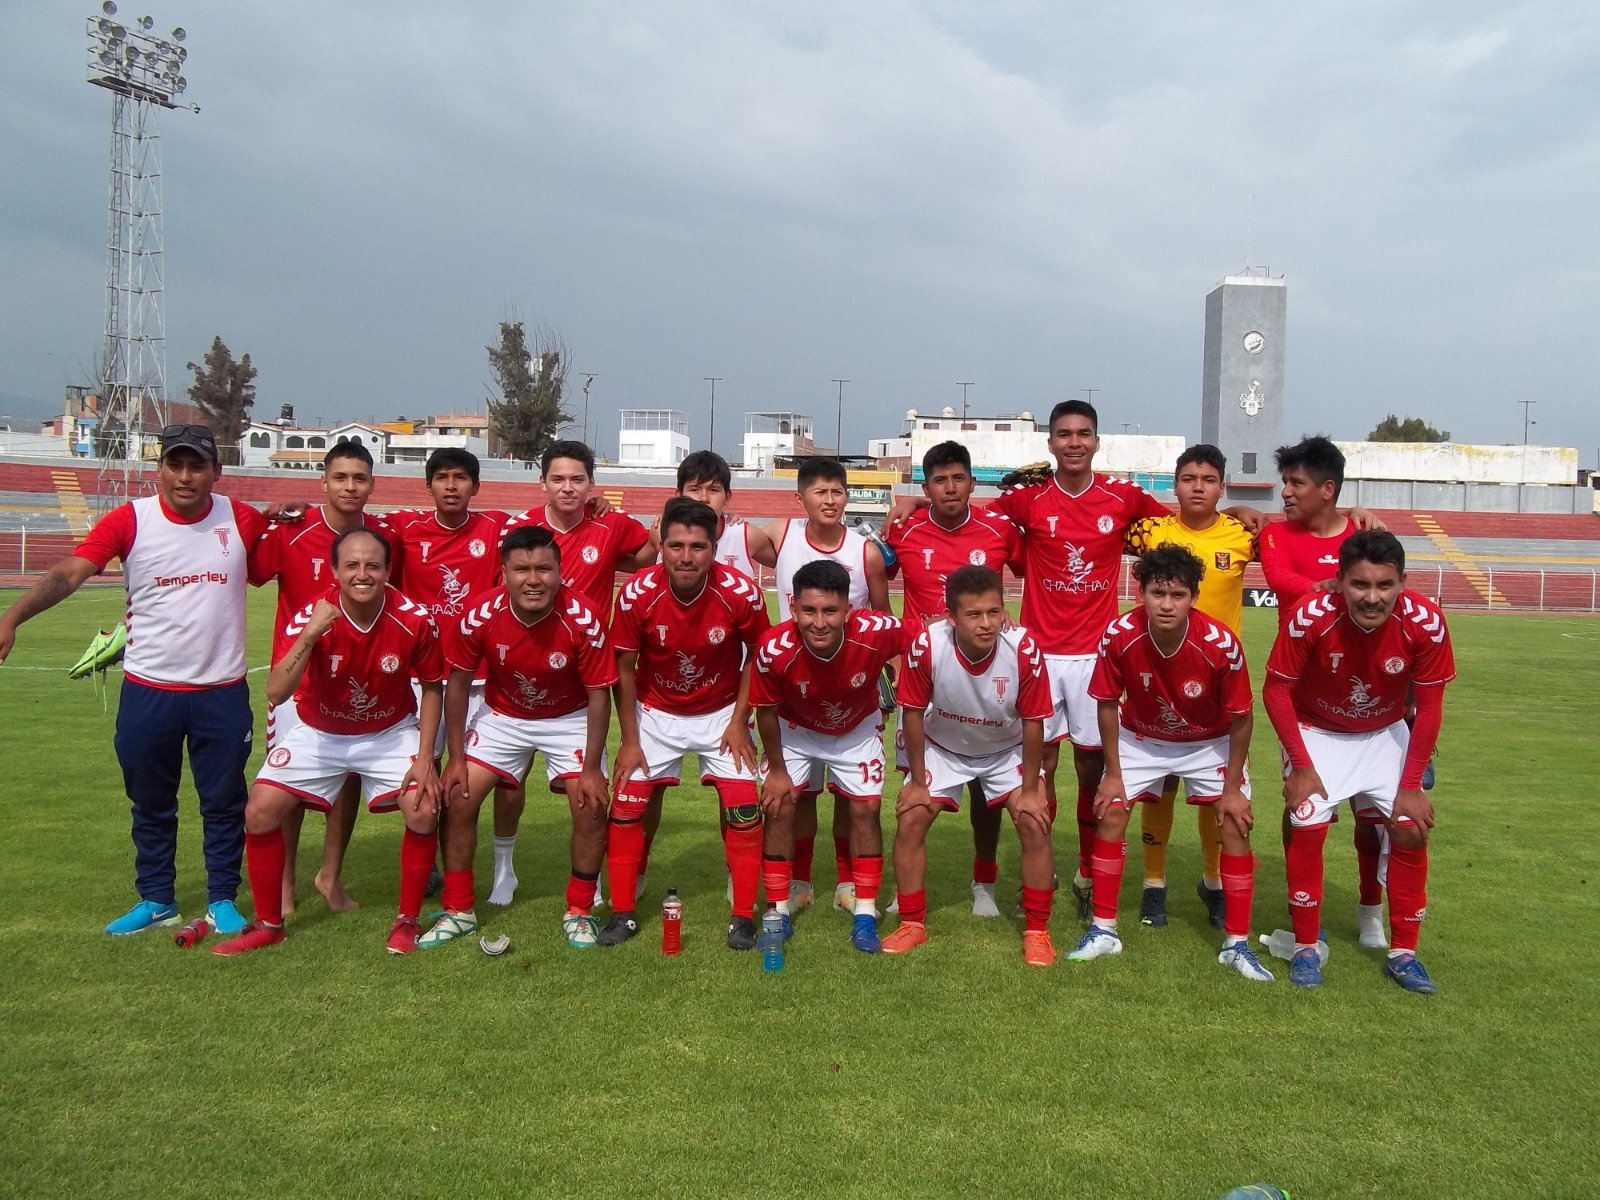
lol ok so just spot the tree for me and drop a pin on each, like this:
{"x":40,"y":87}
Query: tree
{"x":1412,"y":429}
{"x":224,"y":389}
{"x":525,"y":399}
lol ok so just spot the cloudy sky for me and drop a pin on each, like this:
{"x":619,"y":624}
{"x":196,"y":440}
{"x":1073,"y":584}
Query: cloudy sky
{"x":1032,"y":196}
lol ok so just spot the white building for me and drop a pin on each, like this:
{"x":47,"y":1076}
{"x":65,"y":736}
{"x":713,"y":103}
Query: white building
{"x":772,"y":435}
{"x":1001,"y":444}
{"x":285,"y":446}
{"x":652,"y":437}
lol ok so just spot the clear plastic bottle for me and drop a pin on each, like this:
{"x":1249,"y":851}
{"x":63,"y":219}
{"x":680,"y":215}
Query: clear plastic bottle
{"x":671,"y":923}
{"x":772,"y":941}
{"x":866,"y":530}
{"x":1280,"y":944}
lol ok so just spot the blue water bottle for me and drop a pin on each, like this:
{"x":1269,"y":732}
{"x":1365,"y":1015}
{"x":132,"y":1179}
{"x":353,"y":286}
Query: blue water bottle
{"x":872,"y":535}
{"x":772,"y":941}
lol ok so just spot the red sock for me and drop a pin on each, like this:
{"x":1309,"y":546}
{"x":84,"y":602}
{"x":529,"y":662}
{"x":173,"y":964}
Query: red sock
{"x":625,"y":847}
{"x":742,"y":848}
{"x":914,"y":906}
{"x":1408,"y":895}
{"x":1238,"y":893}
{"x":841,"y":859}
{"x":417,"y":852}
{"x":644,"y":859}
{"x":1105,"y":867}
{"x":458,"y":891}
{"x":1369,"y":853}
{"x":580,"y":892}
{"x":1086,"y":829}
{"x":804,"y":847}
{"x":775,"y":874}
{"x":866,"y":872}
{"x":1036,"y":904}
{"x":983,"y":871}
{"x":1302,"y":867}
{"x":264,"y":856}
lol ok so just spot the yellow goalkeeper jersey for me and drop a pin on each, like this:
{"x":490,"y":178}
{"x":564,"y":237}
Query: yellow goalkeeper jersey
{"x":1224,"y":548}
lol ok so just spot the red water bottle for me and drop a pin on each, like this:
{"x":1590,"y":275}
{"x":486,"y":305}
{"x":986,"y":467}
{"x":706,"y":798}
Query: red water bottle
{"x":192,"y":934}
{"x":671,"y":923}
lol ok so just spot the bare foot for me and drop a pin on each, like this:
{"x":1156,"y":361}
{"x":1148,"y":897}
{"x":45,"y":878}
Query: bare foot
{"x":333,"y":892}
{"x":288,"y":895}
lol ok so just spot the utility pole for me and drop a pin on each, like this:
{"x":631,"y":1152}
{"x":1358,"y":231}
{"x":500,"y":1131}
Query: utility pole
{"x":964,"y":384}
{"x":838,"y":427}
{"x":1089,"y":392}
{"x":713,"y":380}
{"x":588,"y":382}
{"x":1525,"y":420}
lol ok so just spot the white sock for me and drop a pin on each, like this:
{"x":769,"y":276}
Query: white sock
{"x":783,"y":907}
{"x":1211,"y":885}
{"x":866,"y":908}
{"x":1229,"y":941}
{"x":1108,"y":926}
{"x":1156,"y":883}
{"x":504,"y":888}
{"x":503,"y":850}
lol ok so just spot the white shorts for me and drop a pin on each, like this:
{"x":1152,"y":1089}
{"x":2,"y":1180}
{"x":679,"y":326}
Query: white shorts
{"x":1147,"y":761}
{"x":282,"y":720}
{"x":474,"y":707}
{"x":998,"y":774}
{"x":506,"y":745}
{"x":851,"y":764}
{"x":666,"y":739}
{"x":1363,"y":768}
{"x":313,"y":765}
{"x":1077,"y":714}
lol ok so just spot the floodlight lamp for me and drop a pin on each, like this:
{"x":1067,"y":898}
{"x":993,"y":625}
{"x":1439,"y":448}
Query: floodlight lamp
{"x":146,"y":21}
{"x":179,"y":34}
{"x":109,"y":8}
{"x":180,"y":53}
{"x":103,"y":25}
{"x":107,"y":58}
{"x":181,"y":84}
{"x":133,"y":53}
{"x":117,"y":32}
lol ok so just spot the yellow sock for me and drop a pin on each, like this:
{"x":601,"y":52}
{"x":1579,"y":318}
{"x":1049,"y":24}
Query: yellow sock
{"x":1210,"y":843}
{"x":1156,"y":822}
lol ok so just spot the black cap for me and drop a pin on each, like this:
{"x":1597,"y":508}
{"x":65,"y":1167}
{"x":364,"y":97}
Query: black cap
{"x":194,"y":437}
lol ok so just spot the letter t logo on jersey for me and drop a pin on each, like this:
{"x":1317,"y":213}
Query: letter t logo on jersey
{"x":316,"y":569}
{"x":661,"y":632}
{"x":927,"y":559}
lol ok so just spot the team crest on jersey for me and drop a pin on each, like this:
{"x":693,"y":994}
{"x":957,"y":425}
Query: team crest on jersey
{"x":1223,"y":559}
{"x":452,"y":592}
{"x":279,"y":757}
{"x":1192,"y":689}
{"x":477,"y":548}
{"x":805,"y":686}
{"x":1052,"y":523}
{"x":1395,"y":665}
{"x":425,"y":546}
{"x":1106,"y":523}
{"x":333,"y":663}
{"x":316,"y":569}
{"x":591,"y":554}
{"x":502,"y":649}
{"x":978,"y":558}
{"x":859,"y":679}
{"x":927,"y":558}
{"x":222,"y":538}
{"x":1001,"y":682}
{"x":557,"y":660}
{"x":389,"y":664}
{"x":717,"y":635}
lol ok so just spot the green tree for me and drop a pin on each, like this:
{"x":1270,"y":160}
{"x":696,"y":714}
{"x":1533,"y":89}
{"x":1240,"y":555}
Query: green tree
{"x":224,"y":389}
{"x":525,"y":408}
{"x":1412,"y":429}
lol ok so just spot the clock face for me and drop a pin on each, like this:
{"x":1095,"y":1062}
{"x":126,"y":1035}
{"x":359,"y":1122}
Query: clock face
{"x":1253,"y":342}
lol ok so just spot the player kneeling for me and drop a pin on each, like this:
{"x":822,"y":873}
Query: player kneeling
{"x":1336,"y":689}
{"x":975,"y":697}
{"x":1174,"y":699}
{"x":815,"y":692}
{"x":349,"y":671}
{"x":547,"y":670}
{"x":685,"y":632}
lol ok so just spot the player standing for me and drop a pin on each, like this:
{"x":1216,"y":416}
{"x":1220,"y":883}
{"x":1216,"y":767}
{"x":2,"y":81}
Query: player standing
{"x":816,"y":701}
{"x":974,"y":699}
{"x":1336,"y":690}
{"x":547,"y":678}
{"x":349,"y":671}
{"x":934,"y":542}
{"x":685,"y":631}
{"x":1172,"y":696}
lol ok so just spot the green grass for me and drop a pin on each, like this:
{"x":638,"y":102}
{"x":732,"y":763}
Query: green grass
{"x":326,"y":1066}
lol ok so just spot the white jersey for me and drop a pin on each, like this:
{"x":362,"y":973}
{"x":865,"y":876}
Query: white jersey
{"x":733,"y":548}
{"x":975,"y":709}
{"x":795,"y":551}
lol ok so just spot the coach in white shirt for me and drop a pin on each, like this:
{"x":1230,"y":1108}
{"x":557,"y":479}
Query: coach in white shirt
{"x":185,"y":562}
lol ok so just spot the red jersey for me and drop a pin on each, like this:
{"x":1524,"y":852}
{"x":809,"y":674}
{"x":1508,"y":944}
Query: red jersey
{"x":1191,"y":696}
{"x":833,"y":695}
{"x":928,"y":552}
{"x":691,"y":652}
{"x":299,"y":555}
{"x":590,"y":551}
{"x":1353,"y":680}
{"x":1073,"y":550}
{"x":536,"y":671}
{"x":448,"y":571}
{"x":1295,"y":561}
{"x":359,"y":680}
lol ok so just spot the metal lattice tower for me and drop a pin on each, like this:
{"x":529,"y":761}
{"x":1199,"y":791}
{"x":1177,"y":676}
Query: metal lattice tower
{"x":142,"y":71}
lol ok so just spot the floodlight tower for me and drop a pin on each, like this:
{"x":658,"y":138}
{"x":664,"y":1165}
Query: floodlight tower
{"x":143,"y":73}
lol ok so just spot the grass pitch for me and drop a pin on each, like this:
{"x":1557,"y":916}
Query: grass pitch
{"x":326,"y":1066}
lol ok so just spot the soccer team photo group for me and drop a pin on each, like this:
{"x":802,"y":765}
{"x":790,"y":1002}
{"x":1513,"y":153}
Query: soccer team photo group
{"x":430,"y":663}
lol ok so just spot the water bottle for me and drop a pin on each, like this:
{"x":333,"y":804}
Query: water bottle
{"x":192,"y":934}
{"x":872,"y":535}
{"x":772,"y":941}
{"x":671,"y":923}
{"x":1280,"y":944}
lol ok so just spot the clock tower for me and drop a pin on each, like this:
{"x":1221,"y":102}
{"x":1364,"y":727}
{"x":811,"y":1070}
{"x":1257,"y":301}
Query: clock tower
{"x":1241,"y":396}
